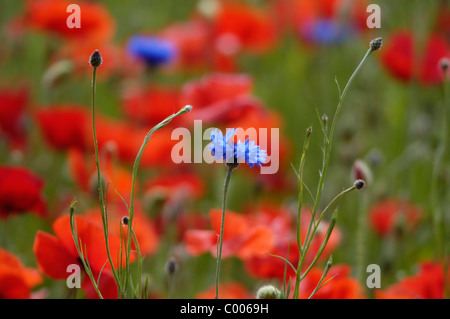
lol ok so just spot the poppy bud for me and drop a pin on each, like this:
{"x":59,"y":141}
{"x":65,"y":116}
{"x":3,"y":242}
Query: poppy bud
{"x":444,"y":64}
{"x":361,"y":171}
{"x":359,"y":184}
{"x":171,"y":266}
{"x":268,"y":292}
{"x":376,"y":44}
{"x":96,"y":59}
{"x":188,"y":108}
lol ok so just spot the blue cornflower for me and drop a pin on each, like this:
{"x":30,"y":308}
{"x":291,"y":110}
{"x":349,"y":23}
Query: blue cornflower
{"x":250,"y":153}
{"x":222,"y":147}
{"x":152,"y":50}
{"x":326,"y":32}
{"x":226,"y":149}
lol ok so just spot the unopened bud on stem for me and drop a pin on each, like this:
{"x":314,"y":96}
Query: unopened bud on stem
{"x":268,"y":292}
{"x":444,"y":64}
{"x":96,"y":59}
{"x":171,"y":266}
{"x":376,"y":44}
{"x":359,"y":184}
{"x":125,"y":220}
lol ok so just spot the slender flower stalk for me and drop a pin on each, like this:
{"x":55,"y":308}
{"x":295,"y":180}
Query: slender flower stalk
{"x":224,"y":148}
{"x":95,"y":61}
{"x":328,"y":142}
{"x":137,"y":160}
{"x":219,"y":251}
{"x":82,"y":253}
{"x":437,"y":198}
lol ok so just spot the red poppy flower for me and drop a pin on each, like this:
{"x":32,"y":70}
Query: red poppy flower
{"x":197,"y":47}
{"x":143,"y":227}
{"x":443,"y":20}
{"x":12,"y":108}
{"x":16,"y":280}
{"x":51,"y":16}
{"x":214,"y":88}
{"x":84,"y":172}
{"x":151,"y":105}
{"x":227,"y":290}
{"x":20,"y":191}
{"x":322,"y":21}
{"x":188,"y":220}
{"x":114,"y":59}
{"x":185,"y":185}
{"x":221,"y":99}
{"x":242,"y":236}
{"x":64,"y":126}
{"x":402,"y":61}
{"x":192,"y":42}
{"x":283,"y":228}
{"x":251,"y":29}
{"x":171,"y":192}
{"x":339,"y":286}
{"x":128,"y":139}
{"x":390,"y":213}
{"x":428,"y":283}
{"x":55,"y":253}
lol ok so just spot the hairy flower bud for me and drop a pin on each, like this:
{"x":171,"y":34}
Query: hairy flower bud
{"x":96,"y":59}
{"x":376,"y":44}
{"x":268,"y":292}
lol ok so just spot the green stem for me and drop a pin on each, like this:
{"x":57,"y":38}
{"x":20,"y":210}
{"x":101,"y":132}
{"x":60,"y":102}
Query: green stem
{"x":327,"y":152}
{"x":361,"y":239}
{"x":437,"y":199}
{"x":100,"y":184}
{"x":219,"y":252}
{"x":308,"y":244}
{"x":137,"y":160}
{"x":300,"y":185}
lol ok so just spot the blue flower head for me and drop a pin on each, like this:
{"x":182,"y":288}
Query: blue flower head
{"x":152,"y":50}
{"x":326,"y":32}
{"x":222,"y":147}
{"x":226,"y":149}
{"x":250,"y":153}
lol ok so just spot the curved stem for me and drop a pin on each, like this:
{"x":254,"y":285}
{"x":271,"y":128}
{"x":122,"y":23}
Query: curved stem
{"x":137,"y":160}
{"x":219,"y":251}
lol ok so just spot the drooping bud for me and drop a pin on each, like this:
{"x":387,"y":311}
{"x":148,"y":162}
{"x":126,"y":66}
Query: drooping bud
{"x":268,"y":292}
{"x":362,"y":171}
{"x":96,"y":59}
{"x":376,"y":44}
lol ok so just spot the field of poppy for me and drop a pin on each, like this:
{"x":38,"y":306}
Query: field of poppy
{"x":129,"y":167}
